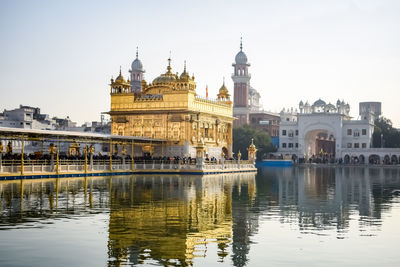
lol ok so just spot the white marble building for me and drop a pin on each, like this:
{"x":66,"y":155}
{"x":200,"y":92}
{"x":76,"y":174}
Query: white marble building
{"x":329,"y":129}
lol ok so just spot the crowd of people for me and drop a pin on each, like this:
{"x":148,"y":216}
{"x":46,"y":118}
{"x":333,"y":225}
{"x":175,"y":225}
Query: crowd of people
{"x":40,"y":158}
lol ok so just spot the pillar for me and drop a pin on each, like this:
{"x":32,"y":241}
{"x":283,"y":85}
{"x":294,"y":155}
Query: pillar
{"x":200,"y":154}
{"x":110,"y":155}
{"x":85,"y":151}
{"x":58,"y":155}
{"x":22,"y":155}
{"x":51,"y":162}
{"x":91,"y":151}
{"x":123,"y":152}
{"x":1,"y":157}
{"x":132,"y":162}
{"x":239,"y":157}
{"x":51,"y":151}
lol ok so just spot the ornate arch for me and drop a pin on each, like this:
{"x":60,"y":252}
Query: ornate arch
{"x":309,"y":135}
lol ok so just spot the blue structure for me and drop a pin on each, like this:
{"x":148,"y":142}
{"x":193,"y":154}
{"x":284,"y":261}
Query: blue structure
{"x":274,"y":163}
{"x":275,"y":141}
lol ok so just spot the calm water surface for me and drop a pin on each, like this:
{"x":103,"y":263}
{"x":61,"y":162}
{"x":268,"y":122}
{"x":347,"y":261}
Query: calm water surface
{"x":283,"y":216}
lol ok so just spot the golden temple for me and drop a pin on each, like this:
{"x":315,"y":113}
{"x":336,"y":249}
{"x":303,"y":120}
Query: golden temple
{"x":169,"y":109}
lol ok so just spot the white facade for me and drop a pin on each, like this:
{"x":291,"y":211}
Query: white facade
{"x":27,"y":118}
{"x":303,"y":133}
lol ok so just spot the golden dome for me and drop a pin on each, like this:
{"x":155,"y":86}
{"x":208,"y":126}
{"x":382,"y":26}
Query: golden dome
{"x":167,"y":77}
{"x":185,"y":77}
{"x":223,"y":92}
{"x":252,"y":147}
{"x":120,"y":78}
{"x":223,"y":89}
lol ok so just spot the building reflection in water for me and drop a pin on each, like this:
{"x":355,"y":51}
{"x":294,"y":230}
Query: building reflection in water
{"x":173,"y":220}
{"x":167,"y":220}
{"x":320,"y":199}
{"x":35,"y":201}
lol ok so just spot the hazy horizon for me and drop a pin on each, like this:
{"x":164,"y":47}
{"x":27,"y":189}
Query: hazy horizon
{"x":60,"y":56}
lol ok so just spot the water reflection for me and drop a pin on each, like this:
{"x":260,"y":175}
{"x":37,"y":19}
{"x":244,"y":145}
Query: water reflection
{"x":171,"y":220}
{"x":36,"y":201}
{"x":184,"y":220}
{"x":319,"y":199}
{"x":165,"y":220}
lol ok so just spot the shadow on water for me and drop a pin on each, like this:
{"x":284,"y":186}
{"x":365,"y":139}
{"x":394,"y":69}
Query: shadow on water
{"x":182,"y":220}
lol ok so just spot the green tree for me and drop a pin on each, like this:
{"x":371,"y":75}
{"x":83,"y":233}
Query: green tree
{"x":242,"y":138}
{"x":391,"y":136}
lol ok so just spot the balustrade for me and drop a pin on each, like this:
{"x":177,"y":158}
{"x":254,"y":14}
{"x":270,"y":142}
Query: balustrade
{"x":70,"y":165}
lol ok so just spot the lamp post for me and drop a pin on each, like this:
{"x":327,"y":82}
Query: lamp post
{"x":252,"y":152}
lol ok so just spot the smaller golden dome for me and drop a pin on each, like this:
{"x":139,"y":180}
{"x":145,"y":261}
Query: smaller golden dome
{"x":223,"y":89}
{"x":185,"y":77}
{"x":252,"y":147}
{"x":120,"y":78}
{"x":223,"y":92}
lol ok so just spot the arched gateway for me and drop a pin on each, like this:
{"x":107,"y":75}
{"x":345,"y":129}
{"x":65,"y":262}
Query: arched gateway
{"x":327,"y":133}
{"x":319,"y":141}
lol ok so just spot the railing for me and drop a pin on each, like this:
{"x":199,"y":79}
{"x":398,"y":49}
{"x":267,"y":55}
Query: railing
{"x":372,"y":150}
{"x":67,"y":165}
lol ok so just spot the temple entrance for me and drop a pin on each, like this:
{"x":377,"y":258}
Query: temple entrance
{"x":319,"y":146}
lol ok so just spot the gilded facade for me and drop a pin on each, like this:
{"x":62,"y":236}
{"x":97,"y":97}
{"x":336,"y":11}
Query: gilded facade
{"x":169,"y":109}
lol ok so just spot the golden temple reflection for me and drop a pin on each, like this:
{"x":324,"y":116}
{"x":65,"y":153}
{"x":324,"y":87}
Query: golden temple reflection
{"x":172,"y":219}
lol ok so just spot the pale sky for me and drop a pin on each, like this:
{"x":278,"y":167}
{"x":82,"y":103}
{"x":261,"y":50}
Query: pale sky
{"x":60,"y":55}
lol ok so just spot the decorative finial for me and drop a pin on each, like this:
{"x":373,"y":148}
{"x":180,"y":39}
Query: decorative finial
{"x":206,"y":91}
{"x":137,"y":53}
{"x":169,"y":62}
{"x":223,"y":80}
{"x":184,"y":68}
{"x":241,"y":46}
{"x":120,"y":70}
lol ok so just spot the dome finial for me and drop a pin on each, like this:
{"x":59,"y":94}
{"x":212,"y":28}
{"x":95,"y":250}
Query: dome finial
{"x":137,"y":53}
{"x":241,"y":45}
{"x":169,"y":62}
{"x":184,"y":68}
{"x":223,"y":80}
{"x":120,"y":70}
